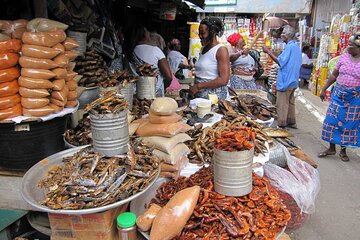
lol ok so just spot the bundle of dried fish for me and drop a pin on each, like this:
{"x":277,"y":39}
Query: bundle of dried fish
{"x":109,"y":83}
{"x":124,"y":77}
{"x":109,"y":103}
{"x":141,"y":107}
{"x":147,"y":70}
{"x":288,"y":143}
{"x":88,"y":180}
{"x":81,"y":134}
{"x":201,"y":148}
{"x":92,"y":68}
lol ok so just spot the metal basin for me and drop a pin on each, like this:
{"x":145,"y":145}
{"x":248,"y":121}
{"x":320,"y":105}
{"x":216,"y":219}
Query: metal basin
{"x":32,"y":194}
{"x":88,"y":95}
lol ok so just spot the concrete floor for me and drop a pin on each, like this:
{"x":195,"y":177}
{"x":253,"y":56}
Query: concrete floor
{"x":337,"y":215}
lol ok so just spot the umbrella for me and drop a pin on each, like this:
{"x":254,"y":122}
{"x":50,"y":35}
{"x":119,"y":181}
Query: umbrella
{"x":276,"y":22}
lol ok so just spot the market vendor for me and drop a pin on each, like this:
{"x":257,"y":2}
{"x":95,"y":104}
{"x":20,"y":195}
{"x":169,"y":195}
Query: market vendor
{"x":289,"y":62}
{"x":212,"y":69}
{"x":242,"y":64}
{"x":138,"y":50}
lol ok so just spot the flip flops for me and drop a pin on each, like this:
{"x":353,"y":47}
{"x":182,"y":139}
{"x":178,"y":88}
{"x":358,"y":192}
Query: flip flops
{"x":326,"y":153}
{"x":344,"y":157}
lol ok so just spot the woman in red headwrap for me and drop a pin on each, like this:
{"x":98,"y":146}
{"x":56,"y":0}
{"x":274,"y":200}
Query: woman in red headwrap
{"x":242,"y":64}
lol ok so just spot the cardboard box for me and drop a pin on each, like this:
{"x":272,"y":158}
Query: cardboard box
{"x":96,"y":226}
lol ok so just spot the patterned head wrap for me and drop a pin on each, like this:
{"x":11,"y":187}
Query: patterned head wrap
{"x":234,"y":38}
{"x":355,"y":39}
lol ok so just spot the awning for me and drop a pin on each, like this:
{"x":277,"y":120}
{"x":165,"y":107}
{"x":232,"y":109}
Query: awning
{"x":199,"y":3}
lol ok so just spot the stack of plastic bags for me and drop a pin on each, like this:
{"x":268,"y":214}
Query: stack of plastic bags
{"x":9,"y":98}
{"x":47,"y":82}
{"x":12,"y":29}
{"x":164,"y":131}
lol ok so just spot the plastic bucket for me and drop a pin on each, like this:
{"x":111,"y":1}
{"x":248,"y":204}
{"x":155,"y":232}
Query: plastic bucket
{"x":233,"y":172}
{"x":146,"y":88}
{"x":80,"y":37}
{"x":110,"y":133}
{"x":128,"y":92}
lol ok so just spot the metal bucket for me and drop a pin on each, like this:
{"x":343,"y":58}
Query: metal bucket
{"x":88,"y":95}
{"x":80,"y":37}
{"x":110,"y":133}
{"x":233,"y":172}
{"x":146,"y":88}
{"x":128,"y":92}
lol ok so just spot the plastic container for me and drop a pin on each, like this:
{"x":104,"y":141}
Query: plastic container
{"x":233,"y":172}
{"x":126,"y":225}
{"x":128,"y":92}
{"x":202,"y":109}
{"x":146,"y":88}
{"x":23,"y":145}
{"x":110,"y":133}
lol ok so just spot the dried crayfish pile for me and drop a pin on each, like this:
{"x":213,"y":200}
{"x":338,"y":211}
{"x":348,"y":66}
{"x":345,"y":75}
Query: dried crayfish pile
{"x":141,"y":107}
{"x":88,"y":179}
{"x":252,"y":106}
{"x":259,"y":215}
{"x":109,"y":103}
{"x":146,"y":70}
{"x":81,"y":134}
{"x":91,"y":66}
{"x":236,"y":139}
{"x":204,"y":139}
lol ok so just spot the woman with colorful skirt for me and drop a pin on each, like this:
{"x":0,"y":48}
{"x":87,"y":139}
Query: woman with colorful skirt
{"x":342,"y":122}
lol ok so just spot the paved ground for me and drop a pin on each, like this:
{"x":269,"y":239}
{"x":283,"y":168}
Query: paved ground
{"x":337,"y":214}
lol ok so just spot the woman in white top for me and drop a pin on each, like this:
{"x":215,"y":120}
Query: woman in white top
{"x":138,"y":51}
{"x":242,"y":64}
{"x":177,"y":61}
{"x":212,"y":69}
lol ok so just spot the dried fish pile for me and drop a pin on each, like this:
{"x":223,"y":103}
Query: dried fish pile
{"x":141,"y":107}
{"x":147,"y":70}
{"x":252,"y":106}
{"x":259,"y":215}
{"x":89,"y":180}
{"x":109,"y":103}
{"x":119,"y":77}
{"x":202,"y":145}
{"x":92,"y":68}
{"x":81,"y":134}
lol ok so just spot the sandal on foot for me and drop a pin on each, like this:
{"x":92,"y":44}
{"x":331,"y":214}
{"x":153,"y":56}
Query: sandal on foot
{"x":344,"y":157}
{"x":325,"y":153}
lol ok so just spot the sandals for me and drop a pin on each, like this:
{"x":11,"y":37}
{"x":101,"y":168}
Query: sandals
{"x":344,"y":157}
{"x":326,"y":153}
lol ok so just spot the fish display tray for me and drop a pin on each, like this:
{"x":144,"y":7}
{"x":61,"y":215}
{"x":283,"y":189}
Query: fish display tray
{"x":32,"y":194}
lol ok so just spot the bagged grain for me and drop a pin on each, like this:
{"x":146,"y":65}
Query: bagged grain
{"x":166,"y":144}
{"x":60,"y":95}
{"x":33,"y":93}
{"x":39,"y":63}
{"x":71,"y":75}
{"x":72,"y":96}
{"x":38,"y":112}
{"x":35,"y":83}
{"x":17,"y":34}
{"x":164,"y":106}
{"x":44,"y":25}
{"x":5,"y":25}
{"x":8,"y":60}
{"x":34,"y":102}
{"x":60,"y":72}
{"x":9,"y":101}
{"x":37,"y":73}
{"x":10,"y":46}
{"x":56,"y":108}
{"x":4,"y":37}
{"x":165,"y":130}
{"x":145,"y":220}
{"x":59,"y":47}
{"x":61,"y":60}
{"x":72,"y":85}
{"x":9,"y":74}
{"x":154,"y":118}
{"x":19,"y":23}
{"x":9,"y":88}
{"x":70,"y":44}
{"x":39,"y":39}
{"x":133,"y":127}
{"x":177,"y":212}
{"x":175,"y":154}
{"x":11,"y":112}
{"x":71,"y":103}
{"x":70,"y":67}
{"x":39,"y":51}
{"x":59,"y":35}
{"x":58,"y":84}
{"x":72,"y":54}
